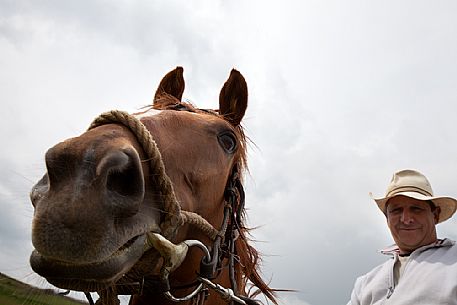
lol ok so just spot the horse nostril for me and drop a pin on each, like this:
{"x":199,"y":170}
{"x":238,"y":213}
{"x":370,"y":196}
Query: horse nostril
{"x":123,"y":181}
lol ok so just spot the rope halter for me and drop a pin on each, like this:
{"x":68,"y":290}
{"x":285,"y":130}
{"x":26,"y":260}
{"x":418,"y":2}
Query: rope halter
{"x":173,"y":218}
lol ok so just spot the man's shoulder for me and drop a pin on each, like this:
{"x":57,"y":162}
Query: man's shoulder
{"x":444,"y":251}
{"x":445,"y":245}
{"x":374,"y":272}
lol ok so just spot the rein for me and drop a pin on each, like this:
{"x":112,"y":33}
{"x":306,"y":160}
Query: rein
{"x":174,"y":217}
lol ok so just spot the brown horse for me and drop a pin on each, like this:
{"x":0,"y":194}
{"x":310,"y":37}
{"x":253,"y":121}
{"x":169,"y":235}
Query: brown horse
{"x":151,"y":205}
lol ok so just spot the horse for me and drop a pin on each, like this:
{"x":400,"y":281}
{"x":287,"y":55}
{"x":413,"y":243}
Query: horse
{"x":151,"y":205}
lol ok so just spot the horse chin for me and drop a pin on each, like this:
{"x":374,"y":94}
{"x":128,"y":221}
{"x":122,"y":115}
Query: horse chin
{"x":89,"y":276}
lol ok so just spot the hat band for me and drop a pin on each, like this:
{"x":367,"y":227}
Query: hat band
{"x":408,"y":189}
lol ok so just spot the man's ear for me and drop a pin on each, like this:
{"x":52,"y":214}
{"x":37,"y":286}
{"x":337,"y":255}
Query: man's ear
{"x":436,"y":214}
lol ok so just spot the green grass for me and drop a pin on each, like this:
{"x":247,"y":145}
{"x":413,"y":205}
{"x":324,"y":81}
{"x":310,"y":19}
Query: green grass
{"x":13,"y":292}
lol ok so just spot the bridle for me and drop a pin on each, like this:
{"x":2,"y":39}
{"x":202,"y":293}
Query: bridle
{"x":223,"y":238}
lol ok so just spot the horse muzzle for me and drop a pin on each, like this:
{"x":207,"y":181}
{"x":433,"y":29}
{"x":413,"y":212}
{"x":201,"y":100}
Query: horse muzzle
{"x":89,"y":276}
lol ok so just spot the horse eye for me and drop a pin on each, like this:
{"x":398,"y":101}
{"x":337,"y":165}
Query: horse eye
{"x":228,"y":141}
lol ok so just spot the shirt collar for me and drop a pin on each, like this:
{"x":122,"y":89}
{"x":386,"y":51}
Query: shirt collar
{"x":394,"y":250}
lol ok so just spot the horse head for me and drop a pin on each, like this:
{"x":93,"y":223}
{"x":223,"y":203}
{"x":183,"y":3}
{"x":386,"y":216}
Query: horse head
{"x":119,"y":197}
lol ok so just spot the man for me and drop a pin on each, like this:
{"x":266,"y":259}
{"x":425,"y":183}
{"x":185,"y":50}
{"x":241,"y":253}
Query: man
{"x":423,"y":268}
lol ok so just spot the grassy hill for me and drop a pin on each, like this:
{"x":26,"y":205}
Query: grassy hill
{"x":13,"y":292}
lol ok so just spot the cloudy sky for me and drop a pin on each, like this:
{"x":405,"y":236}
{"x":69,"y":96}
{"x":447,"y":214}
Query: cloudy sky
{"x":341,"y":95}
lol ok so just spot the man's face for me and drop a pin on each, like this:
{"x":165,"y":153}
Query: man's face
{"x":411,"y":222}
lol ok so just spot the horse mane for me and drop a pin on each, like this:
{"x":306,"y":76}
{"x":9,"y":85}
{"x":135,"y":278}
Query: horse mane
{"x":248,"y":272}
{"x":248,"y":269}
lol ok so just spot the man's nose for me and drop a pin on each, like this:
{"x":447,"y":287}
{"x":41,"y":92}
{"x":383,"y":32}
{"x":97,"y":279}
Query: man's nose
{"x":406,"y":217}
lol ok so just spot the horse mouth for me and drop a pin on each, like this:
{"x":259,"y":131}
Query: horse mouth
{"x":89,"y":276}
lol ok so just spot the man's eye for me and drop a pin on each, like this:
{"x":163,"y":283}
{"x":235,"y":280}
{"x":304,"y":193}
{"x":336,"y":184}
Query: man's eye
{"x":417,"y":209}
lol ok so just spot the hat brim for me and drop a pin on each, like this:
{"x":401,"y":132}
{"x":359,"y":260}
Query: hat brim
{"x":447,"y":205}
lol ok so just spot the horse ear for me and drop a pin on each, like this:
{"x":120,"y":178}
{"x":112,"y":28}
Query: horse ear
{"x":171,"y":84}
{"x":233,"y":99}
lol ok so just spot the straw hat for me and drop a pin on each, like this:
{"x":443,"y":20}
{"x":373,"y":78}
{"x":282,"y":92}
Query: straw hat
{"x":413,"y":184}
